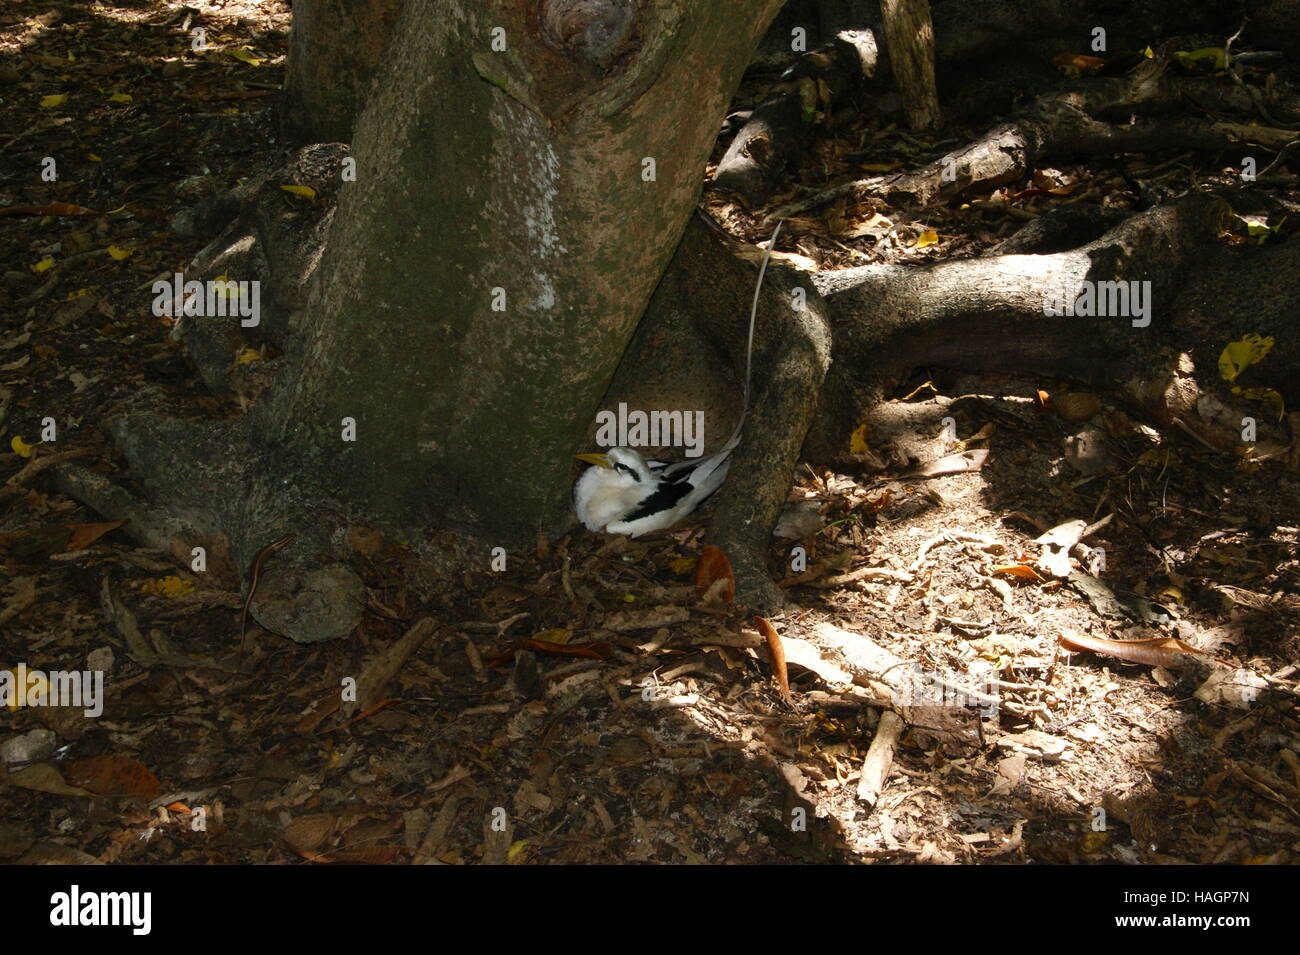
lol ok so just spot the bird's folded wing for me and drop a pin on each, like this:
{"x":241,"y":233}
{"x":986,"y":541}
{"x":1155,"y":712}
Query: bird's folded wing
{"x":665,"y":497}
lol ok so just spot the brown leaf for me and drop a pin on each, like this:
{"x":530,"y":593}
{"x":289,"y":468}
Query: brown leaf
{"x":327,"y":705}
{"x":777,"y":651}
{"x":1155,"y":651}
{"x":1076,"y":406}
{"x":83,"y":535}
{"x":1034,"y":191}
{"x":592,"y":651}
{"x":368,"y":711}
{"x":113,"y":775}
{"x":714,"y":566}
{"x":307,"y":833}
{"x":362,"y":855}
{"x":874,"y":505}
{"x":50,"y":209}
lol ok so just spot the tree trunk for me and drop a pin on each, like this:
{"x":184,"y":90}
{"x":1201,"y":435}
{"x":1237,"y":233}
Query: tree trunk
{"x":336,"y":49}
{"x":910,"y":37}
{"x":502,"y":179}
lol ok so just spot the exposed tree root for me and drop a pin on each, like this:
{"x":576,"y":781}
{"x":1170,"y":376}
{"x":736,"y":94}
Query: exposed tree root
{"x":773,"y":136}
{"x":1071,"y":122}
{"x":980,"y":314}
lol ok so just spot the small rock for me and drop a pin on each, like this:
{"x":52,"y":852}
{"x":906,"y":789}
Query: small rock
{"x":100,"y":659}
{"x":799,"y":520}
{"x":1086,"y":451}
{"x":31,"y":747}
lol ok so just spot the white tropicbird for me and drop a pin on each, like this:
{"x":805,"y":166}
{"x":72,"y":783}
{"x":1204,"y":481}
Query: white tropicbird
{"x":622,"y":493}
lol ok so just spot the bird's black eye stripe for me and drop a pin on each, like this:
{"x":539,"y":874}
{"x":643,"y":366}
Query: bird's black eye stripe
{"x":625,"y":469}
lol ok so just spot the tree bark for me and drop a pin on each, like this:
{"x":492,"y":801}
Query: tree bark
{"x":909,"y":34}
{"x":336,"y":48}
{"x":774,"y":134}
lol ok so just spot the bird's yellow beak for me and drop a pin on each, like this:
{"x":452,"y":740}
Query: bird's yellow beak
{"x":600,"y":460}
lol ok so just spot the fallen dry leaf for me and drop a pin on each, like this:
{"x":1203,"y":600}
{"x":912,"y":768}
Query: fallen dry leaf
{"x":1019,"y":570}
{"x":714,"y":567}
{"x":44,"y":778}
{"x":777,"y":651}
{"x":1155,"y":651}
{"x":83,"y":535}
{"x":113,"y":775}
{"x":593,"y":651}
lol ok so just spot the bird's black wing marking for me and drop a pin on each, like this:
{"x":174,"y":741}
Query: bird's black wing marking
{"x":680,"y":471}
{"x":665,"y":496}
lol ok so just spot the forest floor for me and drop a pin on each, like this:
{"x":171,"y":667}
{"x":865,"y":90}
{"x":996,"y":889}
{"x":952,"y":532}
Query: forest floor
{"x":587,"y":704}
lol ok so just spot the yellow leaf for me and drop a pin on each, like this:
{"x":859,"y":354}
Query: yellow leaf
{"x":246,"y":56}
{"x":228,"y":289}
{"x":927,"y":238}
{"x":21,"y":447}
{"x":1208,"y":59}
{"x":516,"y":851}
{"x":247,"y":356}
{"x":1239,"y":355}
{"x":858,"y":440}
{"x":1170,"y":594}
{"x":73,"y":296}
{"x":1266,"y":395}
{"x":37,"y":687}
{"x":307,"y":192}
{"x":54,"y":99}
{"x":682,"y":565}
{"x":119,"y":253}
{"x":559,"y":635}
{"x":120,"y":98}
{"x":1257,"y":228}
{"x":167,"y":587}
{"x":93,"y":158}
{"x":44,"y":265}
